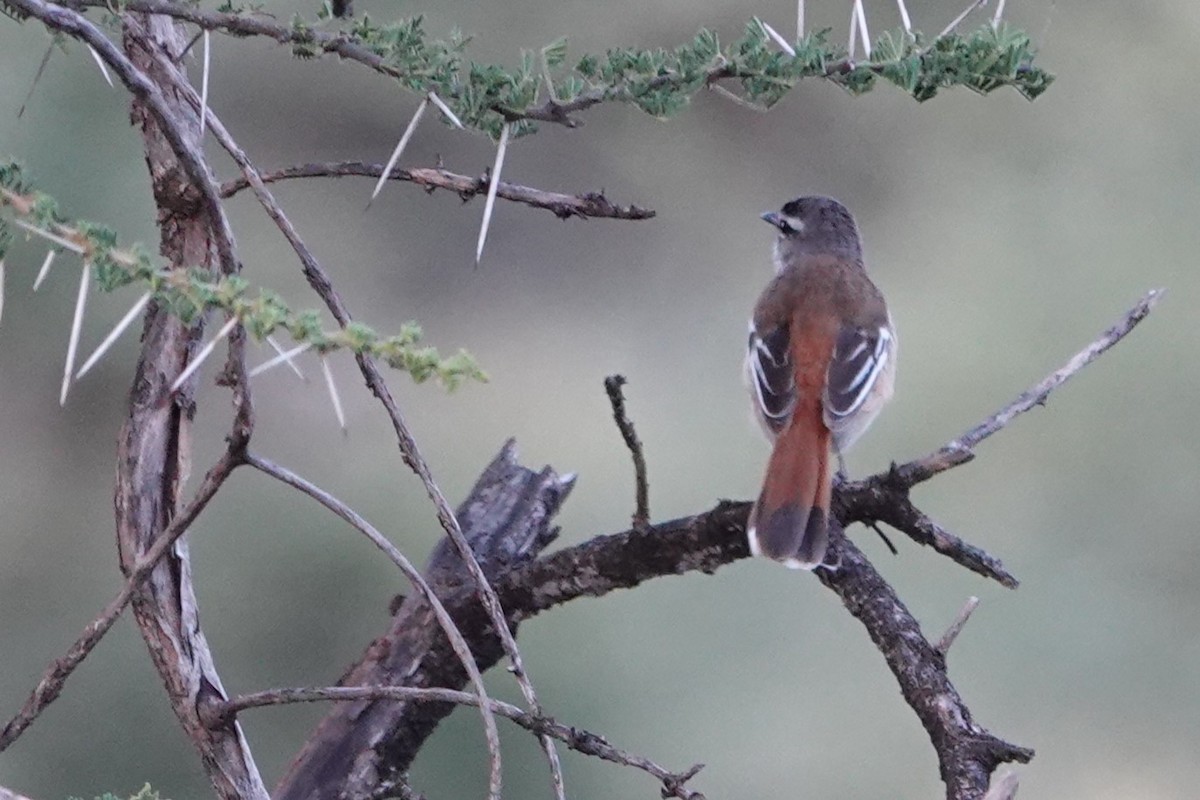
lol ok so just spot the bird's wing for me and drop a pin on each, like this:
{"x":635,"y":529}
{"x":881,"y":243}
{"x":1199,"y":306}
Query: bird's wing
{"x":860,"y":356}
{"x":769,"y":371}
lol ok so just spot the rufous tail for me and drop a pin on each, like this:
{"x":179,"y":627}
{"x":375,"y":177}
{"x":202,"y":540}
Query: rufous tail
{"x":790,"y":521}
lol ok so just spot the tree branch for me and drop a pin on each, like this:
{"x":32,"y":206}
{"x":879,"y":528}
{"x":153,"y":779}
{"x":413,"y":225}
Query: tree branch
{"x":961,"y":450}
{"x":563,"y":206}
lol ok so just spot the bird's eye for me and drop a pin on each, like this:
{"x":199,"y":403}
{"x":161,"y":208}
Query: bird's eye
{"x":790,"y":225}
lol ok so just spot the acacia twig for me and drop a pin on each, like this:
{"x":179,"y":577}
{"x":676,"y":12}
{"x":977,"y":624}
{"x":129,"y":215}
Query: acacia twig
{"x":576,"y":739}
{"x":612,"y":386}
{"x":563,"y":206}
{"x":960,"y":450}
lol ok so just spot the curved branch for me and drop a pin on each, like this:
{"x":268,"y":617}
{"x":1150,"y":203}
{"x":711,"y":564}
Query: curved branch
{"x":563,"y":206}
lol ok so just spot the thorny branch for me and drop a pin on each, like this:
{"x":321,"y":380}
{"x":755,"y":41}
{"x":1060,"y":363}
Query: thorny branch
{"x":563,"y":206}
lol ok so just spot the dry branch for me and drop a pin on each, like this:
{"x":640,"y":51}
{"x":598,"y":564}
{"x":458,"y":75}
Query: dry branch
{"x":564,"y":206}
{"x":641,"y":510}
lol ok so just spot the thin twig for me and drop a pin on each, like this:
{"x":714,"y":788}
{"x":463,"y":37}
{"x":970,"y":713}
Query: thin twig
{"x":51,"y":683}
{"x":564,"y":206}
{"x":37,"y":76}
{"x":612,"y":386}
{"x":944,"y":643}
{"x":575,"y":738}
{"x":960,"y":450}
{"x":461,"y":649}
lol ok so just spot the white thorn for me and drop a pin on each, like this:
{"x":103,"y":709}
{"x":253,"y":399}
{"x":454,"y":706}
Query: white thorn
{"x":779,"y":40}
{"x":799,"y":20}
{"x":284,"y":355}
{"x":204,"y":82}
{"x":861,"y":15}
{"x":291,"y":361}
{"x":100,"y":64}
{"x":999,"y":15}
{"x":904,"y":17}
{"x":958,"y":20}
{"x":113,"y":335}
{"x":66,"y":244}
{"x":852,"y":47}
{"x":493,"y":184}
{"x":447,"y":111}
{"x":204,"y":353}
{"x":403,"y":143}
{"x":333,"y":394}
{"x":76,"y":327}
{"x":45,"y":270}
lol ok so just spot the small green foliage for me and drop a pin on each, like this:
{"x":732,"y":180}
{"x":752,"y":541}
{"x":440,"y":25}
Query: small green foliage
{"x":661,"y":82}
{"x":304,"y":43}
{"x":193,"y":292}
{"x":146,"y":793}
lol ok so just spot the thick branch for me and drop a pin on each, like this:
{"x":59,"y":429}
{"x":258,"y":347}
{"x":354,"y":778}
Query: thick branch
{"x":564,"y":206}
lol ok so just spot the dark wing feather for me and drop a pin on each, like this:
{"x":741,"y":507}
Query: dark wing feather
{"x":770,"y":367}
{"x":859,"y":356}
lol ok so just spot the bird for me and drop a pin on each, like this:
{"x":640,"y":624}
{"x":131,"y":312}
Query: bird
{"x":821,"y":363}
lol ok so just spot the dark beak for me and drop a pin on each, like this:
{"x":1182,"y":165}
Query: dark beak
{"x":773,"y":217}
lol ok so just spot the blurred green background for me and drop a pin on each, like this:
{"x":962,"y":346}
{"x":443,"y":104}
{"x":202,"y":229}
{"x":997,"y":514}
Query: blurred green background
{"x":1005,"y":235}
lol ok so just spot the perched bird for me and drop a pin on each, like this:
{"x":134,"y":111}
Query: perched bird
{"x":821,"y":362}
